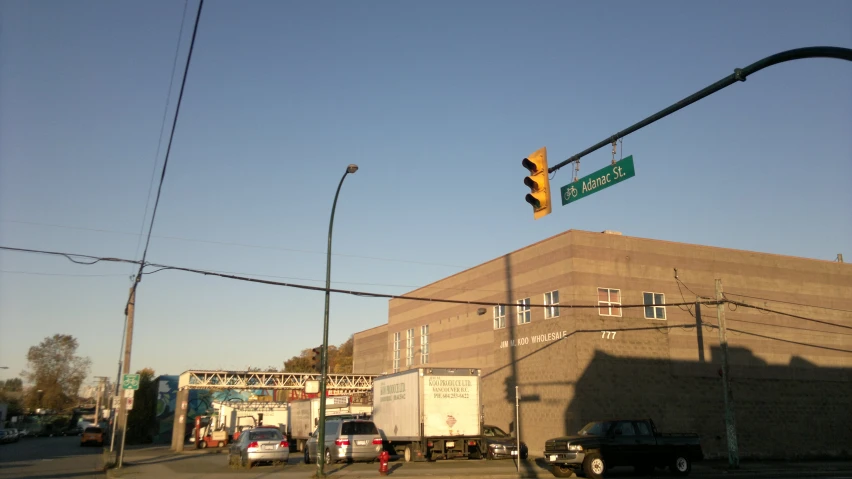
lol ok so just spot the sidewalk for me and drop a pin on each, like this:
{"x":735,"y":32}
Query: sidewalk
{"x":160,"y":462}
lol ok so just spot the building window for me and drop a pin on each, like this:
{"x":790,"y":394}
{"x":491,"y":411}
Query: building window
{"x":551,"y":301}
{"x":424,"y":344}
{"x":396,"y":352}
{"x":409,"y":347}
{"x":653,"y":310}
{"x":499,"y":317}
{"x":609,"y":302}
{"x":524,"y":311}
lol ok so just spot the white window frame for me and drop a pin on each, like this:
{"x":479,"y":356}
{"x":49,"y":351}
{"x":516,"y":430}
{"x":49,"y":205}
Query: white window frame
{"x":396,"y":340}
{"x":609,"y":303}
{"x":499,"y":317}
{"x":424,"y":344}
{"x":551,"y":300}
{"x":409,"y":347}
{"x":654,"y":305}
{"x":524,"y":311}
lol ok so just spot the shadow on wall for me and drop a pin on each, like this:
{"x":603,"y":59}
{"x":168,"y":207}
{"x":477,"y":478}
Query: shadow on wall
{"x":798,"y":410}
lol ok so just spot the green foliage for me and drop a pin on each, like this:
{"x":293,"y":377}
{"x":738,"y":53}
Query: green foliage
{"x":56,"y":373}
{"x":141,"y":420}
{"x":339,"y":359}
{"x":12,"y":385}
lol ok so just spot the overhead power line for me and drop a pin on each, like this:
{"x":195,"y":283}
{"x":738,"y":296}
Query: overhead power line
{"x":35,"y":273}
{"x":789,"y":302}
{"x":746,"y":305}
{"x":243,"y":245}
{"x":368,"y":294}
{"x":171,"y":139}
{"x":162,"y":127}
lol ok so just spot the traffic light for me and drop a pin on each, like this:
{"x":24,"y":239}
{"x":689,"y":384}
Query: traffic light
{"x":537,"y":181}
{"x":316,"y":354}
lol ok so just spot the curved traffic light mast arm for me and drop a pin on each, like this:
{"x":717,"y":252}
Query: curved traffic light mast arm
{"x":739,"y":74}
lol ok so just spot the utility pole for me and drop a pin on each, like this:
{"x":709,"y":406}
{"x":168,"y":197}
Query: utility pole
{"x":101,"y":380}
{"x":128,"y":345}
{"x":113,"y":414}
{"x":518,"y":427}
{"x":730,"y":420}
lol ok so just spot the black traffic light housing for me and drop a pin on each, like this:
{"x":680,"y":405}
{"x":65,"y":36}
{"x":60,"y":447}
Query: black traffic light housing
{"x":316,"y":358}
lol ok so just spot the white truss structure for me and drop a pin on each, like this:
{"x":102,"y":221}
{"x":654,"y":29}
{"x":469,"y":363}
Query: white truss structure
{"x":338,"y":383}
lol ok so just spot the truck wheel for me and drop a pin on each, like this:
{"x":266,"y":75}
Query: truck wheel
{"x":681,"y":465}
{"x":202,"y":444}
{"x":594,"y":466}
{"x":562,"y":471}
{"x":407,"y":453}
{"x":220,"y":444}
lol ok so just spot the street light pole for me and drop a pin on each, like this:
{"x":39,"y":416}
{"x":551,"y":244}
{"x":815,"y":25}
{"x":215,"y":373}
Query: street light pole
{"x":324,"y":355}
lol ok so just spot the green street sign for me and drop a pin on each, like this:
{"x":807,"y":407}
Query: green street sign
{"x":603,"y":178}
{"x":130,"y":381}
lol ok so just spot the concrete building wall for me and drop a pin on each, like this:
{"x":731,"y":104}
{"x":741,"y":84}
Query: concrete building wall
{"x":790,"y":374}
{"x":369,"y":351}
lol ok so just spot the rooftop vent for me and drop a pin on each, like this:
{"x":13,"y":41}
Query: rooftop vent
{"x":611,"y":232}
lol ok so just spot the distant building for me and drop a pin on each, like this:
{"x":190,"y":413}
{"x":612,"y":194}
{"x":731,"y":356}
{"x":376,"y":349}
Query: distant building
{"x":587,"y":356}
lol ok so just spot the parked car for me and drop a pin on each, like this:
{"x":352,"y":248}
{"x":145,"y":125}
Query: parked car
{"x":92,"y":435}
{"x":346,"y":440}
{"x":259,"y":445}
{"x":602,"y":445}
{"x":499,"y":444}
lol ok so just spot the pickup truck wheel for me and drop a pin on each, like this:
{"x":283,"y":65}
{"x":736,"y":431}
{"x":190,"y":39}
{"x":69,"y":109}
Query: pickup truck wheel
{"x":594,"y":466}
{"x":307,"y":457}
{"x":681,"y":465}
{"x":562,"y":471}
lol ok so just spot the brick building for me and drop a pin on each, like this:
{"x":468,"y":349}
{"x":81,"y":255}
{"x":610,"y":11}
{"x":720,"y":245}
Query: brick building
{"x":588,"y":356}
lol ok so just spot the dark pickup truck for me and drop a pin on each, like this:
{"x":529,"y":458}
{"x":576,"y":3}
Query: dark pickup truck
{"x":602,"y":445}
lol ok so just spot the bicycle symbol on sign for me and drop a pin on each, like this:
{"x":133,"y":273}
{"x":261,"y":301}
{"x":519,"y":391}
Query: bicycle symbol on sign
{"x":570,"y":193}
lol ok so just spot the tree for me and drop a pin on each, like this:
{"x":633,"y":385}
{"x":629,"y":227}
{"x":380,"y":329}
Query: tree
{"x":142,"y":419}
{"x":12,"y":385}
{"x":56,"y":372}
{"x":339,"y":359}
{"x":300,"y":363}
{"x":343,"y":358}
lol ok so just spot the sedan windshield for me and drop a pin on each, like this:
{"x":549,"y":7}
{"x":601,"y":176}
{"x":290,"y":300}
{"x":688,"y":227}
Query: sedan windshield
{"x":595,"y":429}
{"x":494,"y":431}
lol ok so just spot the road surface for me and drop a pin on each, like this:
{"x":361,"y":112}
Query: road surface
{"x":50,"y":457}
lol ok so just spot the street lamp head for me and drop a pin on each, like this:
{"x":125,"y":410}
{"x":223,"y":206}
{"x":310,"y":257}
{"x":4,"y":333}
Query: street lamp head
{"x":352,"y":168}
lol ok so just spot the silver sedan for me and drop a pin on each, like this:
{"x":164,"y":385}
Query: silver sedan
{"x":259,"y":445}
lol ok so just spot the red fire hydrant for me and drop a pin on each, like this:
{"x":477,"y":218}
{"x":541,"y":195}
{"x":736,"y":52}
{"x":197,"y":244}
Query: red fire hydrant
{"x":384,"y":457}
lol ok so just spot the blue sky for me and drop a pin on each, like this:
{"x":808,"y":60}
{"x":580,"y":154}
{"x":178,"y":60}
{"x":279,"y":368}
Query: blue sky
{"x":437,"y":102}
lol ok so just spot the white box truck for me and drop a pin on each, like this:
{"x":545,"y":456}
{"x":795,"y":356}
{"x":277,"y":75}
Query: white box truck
{"x":430,"y":413}
{"x":304,"y":416}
